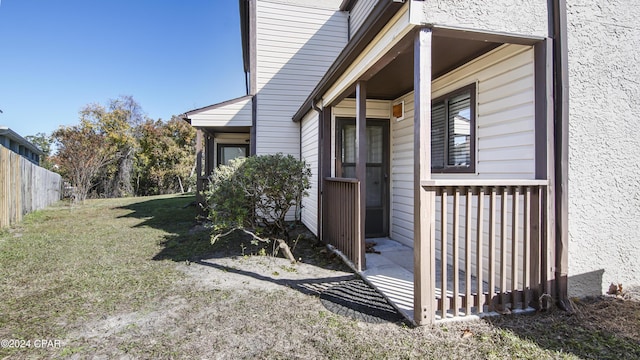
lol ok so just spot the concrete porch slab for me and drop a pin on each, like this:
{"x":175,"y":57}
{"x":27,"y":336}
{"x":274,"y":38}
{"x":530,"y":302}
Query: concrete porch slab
{"x":391,"y":273}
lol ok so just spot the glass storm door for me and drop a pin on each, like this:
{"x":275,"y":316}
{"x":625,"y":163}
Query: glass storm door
{"x":377,"y":172}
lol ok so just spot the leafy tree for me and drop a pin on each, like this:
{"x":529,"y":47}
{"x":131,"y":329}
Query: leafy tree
{"x":83,"y":150}
{"x":118,"y":121}
{"x":166,"y":157}
{"x":141,"y":156}
{"x":43,"y":142}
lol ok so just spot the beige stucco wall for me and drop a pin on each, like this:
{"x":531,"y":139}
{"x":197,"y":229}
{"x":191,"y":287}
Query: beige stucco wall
{"x":526,"y":17}
{"x":604,"y":154}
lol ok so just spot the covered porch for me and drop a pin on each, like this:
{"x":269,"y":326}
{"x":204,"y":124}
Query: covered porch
{"x":487,"y":252}
{"x":461,"y":184}
{"x":225,"y":131}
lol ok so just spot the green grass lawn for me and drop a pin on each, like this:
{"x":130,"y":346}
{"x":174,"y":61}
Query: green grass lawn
{"x":73,"y":263}
{"x":107,"y":278}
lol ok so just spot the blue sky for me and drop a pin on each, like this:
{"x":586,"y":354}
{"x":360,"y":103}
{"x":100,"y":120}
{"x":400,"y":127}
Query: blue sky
{"x":171,"y":56}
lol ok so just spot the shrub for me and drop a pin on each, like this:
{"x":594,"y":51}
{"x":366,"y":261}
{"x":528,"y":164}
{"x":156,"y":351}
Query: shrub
{"x":257,"y":191}
{"x":226,"y":201}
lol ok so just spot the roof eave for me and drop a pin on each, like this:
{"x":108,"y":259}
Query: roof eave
{"x":24,"y":142}
{"x":244,"y":33}
{"x":186,"y":114}
{"x":347,"y":5}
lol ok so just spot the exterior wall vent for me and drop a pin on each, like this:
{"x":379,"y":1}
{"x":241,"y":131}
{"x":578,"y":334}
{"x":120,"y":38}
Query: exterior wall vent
{"x":398,"y":111}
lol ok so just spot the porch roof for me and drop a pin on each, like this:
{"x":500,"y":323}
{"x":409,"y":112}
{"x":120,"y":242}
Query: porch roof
{"x":388,"y":78}
{"x":229,"y":114}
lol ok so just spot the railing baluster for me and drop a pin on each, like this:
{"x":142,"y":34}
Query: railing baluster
{"x":526,"y":253}
{"x":444,"y":243}
{"x":343,"y":230}
{"x":492,"y":244}
{"x":467,"y":257}
{"x":456,"y":250}
{"x":503,"y":247}
{"x":479,"y":255}
{"x":359,"y":251}
{"x":351,"y":241}
{"x":536,"y":231}
{"x":355,"y":228}
{"x":347,"y":232}
{"x":515,"y":244}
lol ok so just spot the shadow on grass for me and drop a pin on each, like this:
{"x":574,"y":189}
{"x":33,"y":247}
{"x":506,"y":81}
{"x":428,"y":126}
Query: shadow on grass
{"x":601,"y":328}
{"x":185,"y":239}
{"x":346,"y":295}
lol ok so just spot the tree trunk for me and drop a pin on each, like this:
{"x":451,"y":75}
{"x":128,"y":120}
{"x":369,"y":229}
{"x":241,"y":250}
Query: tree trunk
{"x":180,"y":182}
{"x":121,"y":182}
{"x":282,"y":245}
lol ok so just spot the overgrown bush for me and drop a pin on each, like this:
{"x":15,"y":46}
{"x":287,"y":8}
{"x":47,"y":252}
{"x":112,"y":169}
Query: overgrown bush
{"x":257,"y":192}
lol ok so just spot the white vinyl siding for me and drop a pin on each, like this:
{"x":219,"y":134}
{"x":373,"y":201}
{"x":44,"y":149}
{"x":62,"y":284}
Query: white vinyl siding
{"x":504,"y":128}
{"x":310,"y":151}
{"x":401,"y":228}
{"x":505,"y":111}
{"x":359,"y":14}
{"x":295,"y":45}
{"x":233,"y":113}
{"x":376,"y":109}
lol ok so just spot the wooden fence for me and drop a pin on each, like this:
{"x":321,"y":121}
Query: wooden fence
{"x":24,"y":187}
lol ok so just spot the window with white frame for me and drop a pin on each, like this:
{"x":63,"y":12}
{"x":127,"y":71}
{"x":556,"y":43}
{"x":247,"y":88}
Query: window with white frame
{"x":453,"y":121}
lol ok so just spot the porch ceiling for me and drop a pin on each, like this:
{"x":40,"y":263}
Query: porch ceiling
{"x":226,"y":129}
{"x":396,"y":78}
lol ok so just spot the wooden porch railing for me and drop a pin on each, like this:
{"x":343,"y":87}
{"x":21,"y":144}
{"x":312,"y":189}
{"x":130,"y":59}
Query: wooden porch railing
{"x":489,"y":238}
{"x":341,"y":219}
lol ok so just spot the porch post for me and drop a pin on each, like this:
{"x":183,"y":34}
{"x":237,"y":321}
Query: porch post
{"x":361,"y":161}
{"x":324,"y":165}
{"x":545,"y":164}
{"x":199,"y":180}
{"x":423,"y":200}
{"x":561,"y":178}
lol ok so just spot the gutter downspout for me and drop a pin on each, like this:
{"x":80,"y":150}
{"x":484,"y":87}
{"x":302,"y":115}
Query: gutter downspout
{"x":558,"y":27}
